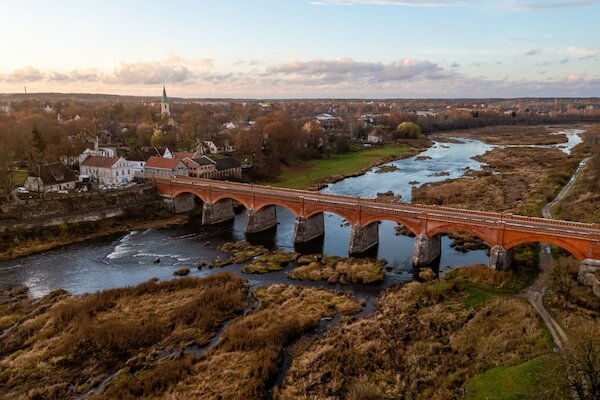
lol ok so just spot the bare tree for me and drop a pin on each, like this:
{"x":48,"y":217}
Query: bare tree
{"x":583,"y":364}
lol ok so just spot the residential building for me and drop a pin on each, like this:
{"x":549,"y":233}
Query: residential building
{"x":375,"y":136}
{"x":107,"y":170}
{"x":217,"y":168}
{"x":216,"y":146}
{"x":165,"y":167}
{"x":51,"y":178}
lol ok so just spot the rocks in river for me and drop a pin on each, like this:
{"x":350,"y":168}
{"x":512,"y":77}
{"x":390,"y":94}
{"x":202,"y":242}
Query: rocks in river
{"x":182,"y":272}
{"x":389,"y":195}
{"x":441,"y":173}
{"x":220,"y":263}
{"x":157,"y":261}
{"x":386,"y":168}
{"x":207,"y":243}
{"x":414,"y":183}
{"x":422,"y":158}
{"x":202,"y":264}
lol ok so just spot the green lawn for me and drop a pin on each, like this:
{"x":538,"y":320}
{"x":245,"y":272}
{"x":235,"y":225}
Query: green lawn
{"x":19,"y":177}
{"x":315,"y":171}
{"x":538,"y":379}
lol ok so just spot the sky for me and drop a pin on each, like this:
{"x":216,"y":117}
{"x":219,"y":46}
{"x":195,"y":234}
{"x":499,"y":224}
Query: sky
{"x":303,"y":48}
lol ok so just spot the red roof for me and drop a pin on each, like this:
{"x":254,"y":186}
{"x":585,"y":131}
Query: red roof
{"x":100,"y":162}
{"x":183,"y":154}
{"x":162,"y":163}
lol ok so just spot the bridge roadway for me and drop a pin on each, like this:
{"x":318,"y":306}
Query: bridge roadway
{"x":500,"y":231}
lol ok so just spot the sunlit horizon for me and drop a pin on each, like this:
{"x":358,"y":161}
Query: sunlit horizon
{"x":304,"y":49}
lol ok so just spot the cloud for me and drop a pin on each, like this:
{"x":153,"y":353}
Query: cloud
{"x":583,"y":53}
{"x":324,"y":72}
{"x":23,"y":75}
{"x":543,"y":5}
{"x":405,"y":3}
{"x":343,"y":77}
{"x":150,"y":73}
{"x":533,"y":52}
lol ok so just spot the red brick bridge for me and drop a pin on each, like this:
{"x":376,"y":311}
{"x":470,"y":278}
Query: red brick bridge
{"x":501,"y":232}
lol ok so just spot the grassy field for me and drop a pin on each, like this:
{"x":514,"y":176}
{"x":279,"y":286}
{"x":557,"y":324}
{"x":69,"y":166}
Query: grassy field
{"x":539,"y":378}
{"x":19,"y":177}
{"x":316,"y":171}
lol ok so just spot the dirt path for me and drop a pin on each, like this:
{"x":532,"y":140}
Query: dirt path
{"x":535,"y":293}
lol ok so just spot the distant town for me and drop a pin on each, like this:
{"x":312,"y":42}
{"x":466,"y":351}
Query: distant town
{"x":54,"y":143}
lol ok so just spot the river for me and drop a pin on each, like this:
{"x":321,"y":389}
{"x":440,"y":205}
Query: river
{"x":128,"y":259}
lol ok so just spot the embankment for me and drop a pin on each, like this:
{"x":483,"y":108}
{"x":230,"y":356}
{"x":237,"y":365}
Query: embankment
{"x":46,"y":224}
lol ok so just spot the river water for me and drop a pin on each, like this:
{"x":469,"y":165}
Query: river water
{"x":128,"y":259}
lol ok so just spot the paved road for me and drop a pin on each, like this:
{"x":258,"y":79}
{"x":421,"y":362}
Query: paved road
{"x":535,"y":293}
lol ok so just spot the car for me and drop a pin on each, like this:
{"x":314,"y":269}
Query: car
{"x":22,"y":190}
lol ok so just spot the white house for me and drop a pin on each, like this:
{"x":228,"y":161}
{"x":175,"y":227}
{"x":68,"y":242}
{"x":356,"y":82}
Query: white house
{"x":375,"y":136}
{"x":107,"y":170}
{"x":101,"y":152}
{"x":51,"y":178}
{"x":215,"y":147}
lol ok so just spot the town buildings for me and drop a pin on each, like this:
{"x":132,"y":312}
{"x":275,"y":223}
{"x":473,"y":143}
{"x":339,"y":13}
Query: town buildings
{"x":107,"y":170}
{"x":51,"y":177}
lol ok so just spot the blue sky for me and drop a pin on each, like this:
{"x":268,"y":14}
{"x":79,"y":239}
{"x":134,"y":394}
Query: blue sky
{"x":303,"y":48}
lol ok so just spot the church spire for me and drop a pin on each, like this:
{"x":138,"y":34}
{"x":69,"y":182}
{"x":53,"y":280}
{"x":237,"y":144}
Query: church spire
{"x":164,"y":105}
{"x":164,"y":96}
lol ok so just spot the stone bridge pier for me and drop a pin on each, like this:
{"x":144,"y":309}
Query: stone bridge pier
{"x":587,"y":274}
{"x":261,"y":220}
{"x":364,"y":238}
{"x":500,"y":258}
{"x":181,"y":204}
{"x":213,"y":213}
{"x":426,"y":249}
{"x":307,"y":229}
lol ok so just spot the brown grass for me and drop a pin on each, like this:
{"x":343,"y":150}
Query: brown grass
{"x":416,"y":349}
{"x":521,"y":135}
{"x":529,"y":178}
{"x":246,"y":360}
{"x":71,"y":342}
{"x":338,"y":269}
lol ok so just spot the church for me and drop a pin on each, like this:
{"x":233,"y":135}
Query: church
{"x":165,"y":110}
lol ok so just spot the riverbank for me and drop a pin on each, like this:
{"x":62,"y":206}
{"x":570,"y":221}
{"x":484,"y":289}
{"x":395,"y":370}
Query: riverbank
{"x":510,"y":135}
{"x":520,"y":180}
{"x":316,"y":174}
{"x":63,"y":235}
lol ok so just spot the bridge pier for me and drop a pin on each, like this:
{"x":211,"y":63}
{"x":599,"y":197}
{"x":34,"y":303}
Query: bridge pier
{"x":180,"y":204}
{"x":217,"y":212}
{"x":500,"y":258}
{"x":261,"y":220}
{"x":363,"y":238}
{"x":307,"y":229}
{"x":586,"y":276}
{"x":426,"y":249}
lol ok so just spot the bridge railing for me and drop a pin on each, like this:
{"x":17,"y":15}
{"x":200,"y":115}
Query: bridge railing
{"x":373,"y":204}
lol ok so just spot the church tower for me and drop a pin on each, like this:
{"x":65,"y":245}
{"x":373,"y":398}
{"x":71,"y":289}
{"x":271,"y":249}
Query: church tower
{"x":164,"y":105}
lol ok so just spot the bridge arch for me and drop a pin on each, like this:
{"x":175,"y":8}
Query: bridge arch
{"x":414,"y":226}
{"x":227,"y":196}
{"x":577,"y":251}
{"x":485,"y":235}
{"x":182,"y":192}
{"x":347,"y":216}
{"x":296,"y":213}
